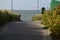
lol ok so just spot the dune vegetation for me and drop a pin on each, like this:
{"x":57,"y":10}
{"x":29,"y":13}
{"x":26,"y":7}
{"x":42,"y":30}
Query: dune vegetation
{"x":51,"y":19}
{"x":7,"y":16}
{"x":37,"y":17}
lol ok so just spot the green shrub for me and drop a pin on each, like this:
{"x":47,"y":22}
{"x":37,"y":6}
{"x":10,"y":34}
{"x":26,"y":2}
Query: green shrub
{"x":37,"y":17}
{"x":52,"y":21}
{"x":7,"y":16}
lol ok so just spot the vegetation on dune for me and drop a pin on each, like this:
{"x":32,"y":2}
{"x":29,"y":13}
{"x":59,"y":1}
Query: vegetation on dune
{"x":51,"y":19}
{"x":7,"y":16}
{"x":37,"y":17}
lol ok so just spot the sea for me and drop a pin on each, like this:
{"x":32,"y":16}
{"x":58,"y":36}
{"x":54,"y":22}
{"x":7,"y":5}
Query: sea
{"x":26,"y":15}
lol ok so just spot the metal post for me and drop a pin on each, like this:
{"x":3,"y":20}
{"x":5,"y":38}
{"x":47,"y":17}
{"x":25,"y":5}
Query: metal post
{"x":11,"y":5}
{"x":37,"y":5}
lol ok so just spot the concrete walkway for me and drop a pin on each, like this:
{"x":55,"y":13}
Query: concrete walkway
{"x":23,"y":31}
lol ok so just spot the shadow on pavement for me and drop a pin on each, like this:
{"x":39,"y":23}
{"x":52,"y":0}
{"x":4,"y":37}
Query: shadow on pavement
{"x":21,"y":31}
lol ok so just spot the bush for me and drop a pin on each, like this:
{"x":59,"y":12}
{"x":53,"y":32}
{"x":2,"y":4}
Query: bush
{"x":37,"y":17}
{"x":7,"y":16}
{"x":52,"y":21}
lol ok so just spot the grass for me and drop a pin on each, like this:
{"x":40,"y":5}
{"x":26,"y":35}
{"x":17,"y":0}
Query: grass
{"x":51,"y":19}
{"x":37,"y":17}
{"x":7,"y":16}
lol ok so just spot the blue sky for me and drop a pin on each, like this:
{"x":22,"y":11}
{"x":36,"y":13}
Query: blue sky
{"x":24,"y":4}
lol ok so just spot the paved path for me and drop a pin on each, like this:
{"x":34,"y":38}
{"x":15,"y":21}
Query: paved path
{"x":22,"y":31}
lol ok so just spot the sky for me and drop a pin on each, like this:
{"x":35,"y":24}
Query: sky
{"x":24,"y":4}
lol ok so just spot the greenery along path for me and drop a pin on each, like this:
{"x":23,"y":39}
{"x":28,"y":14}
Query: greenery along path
{"x":23,"y":31}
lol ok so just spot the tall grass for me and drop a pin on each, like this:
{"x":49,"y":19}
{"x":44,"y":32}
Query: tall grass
{"x":7,"y":16}
{"x":37,"y":17}
{"x":51,"y":19}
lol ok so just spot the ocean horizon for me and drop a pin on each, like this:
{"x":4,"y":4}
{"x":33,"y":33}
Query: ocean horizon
{"x":26,"y":15}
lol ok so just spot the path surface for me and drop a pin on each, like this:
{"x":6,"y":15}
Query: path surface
{"x":22,"y":31}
